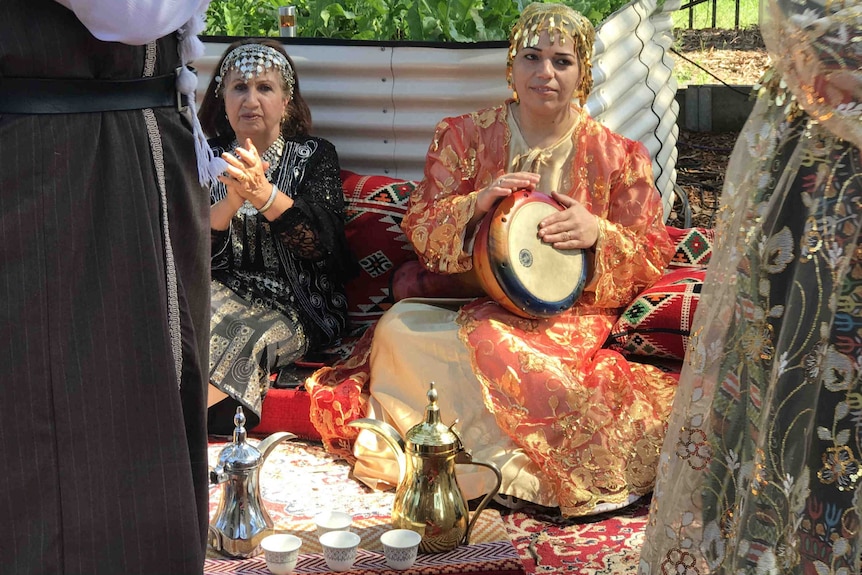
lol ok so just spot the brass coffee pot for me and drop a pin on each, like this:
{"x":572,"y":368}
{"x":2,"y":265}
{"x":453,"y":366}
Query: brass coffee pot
{"x":428,"y":499}
{"x":241,"y":520}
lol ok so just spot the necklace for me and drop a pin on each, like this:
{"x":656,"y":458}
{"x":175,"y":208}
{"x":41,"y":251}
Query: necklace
{"x":272,"y":155}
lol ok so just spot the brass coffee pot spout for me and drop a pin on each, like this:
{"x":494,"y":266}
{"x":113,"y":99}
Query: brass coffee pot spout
{"x":241,"y":520}
{"x":428,"y":499}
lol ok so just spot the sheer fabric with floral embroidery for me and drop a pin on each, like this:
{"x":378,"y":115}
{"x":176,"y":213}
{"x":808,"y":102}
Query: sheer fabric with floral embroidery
{"x":760,"y":471}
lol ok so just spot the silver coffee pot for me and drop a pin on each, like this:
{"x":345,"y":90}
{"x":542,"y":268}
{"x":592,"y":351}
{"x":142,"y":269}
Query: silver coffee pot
{"x":241,"y":520}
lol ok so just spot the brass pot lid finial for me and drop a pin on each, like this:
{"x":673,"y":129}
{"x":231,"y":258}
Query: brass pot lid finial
{"x":432,"y":435}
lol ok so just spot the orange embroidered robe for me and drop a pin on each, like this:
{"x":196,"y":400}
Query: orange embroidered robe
{"x":591,"y":420}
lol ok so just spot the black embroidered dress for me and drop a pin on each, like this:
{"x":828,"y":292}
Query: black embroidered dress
{"x":278,"y":287}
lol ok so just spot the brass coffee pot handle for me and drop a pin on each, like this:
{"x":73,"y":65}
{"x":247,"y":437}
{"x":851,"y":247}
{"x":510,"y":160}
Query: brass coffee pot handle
{"x":464,"y":457}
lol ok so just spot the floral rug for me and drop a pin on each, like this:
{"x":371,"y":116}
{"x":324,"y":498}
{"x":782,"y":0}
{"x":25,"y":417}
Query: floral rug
{"x":299,"y":479}
{"x":606,"y":544}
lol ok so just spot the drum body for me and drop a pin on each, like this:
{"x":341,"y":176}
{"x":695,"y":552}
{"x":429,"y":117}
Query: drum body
{"x":523,"y":274}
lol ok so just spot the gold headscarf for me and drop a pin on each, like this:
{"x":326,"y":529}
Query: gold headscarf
{"x":559,"y":21}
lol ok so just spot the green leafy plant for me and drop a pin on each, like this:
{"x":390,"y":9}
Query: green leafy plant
{"x":424,"y":20}
{"x":243,"y":18}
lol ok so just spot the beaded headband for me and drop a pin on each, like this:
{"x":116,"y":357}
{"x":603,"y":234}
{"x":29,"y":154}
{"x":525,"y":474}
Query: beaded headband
{"x":560,"y":22}
{"x":251,"y":60}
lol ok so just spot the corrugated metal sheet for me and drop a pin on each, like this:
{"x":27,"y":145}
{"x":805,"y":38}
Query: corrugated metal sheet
{"x":634,"y":89}
{"x":379,"y":103}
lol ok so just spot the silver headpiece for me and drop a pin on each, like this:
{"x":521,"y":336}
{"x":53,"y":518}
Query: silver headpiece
{"x":250,"y":60}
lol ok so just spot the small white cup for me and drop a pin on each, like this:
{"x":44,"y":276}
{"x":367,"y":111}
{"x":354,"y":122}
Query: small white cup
{"x":339,"y":549}
{"x":332,"y":521}
{"x":281,"y":550}
{"x":400,"y":547}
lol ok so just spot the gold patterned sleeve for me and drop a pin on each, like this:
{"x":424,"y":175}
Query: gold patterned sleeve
{"x":633,"y":247}
{"x":443,"y":203}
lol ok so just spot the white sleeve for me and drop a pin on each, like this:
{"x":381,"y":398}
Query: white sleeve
{"x":134,"y":22}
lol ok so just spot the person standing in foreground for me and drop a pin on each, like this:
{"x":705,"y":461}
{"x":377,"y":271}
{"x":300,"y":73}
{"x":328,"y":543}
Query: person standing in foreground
{"x":104,"y":287}
{"x":761,"y":470}
{"x":569,"y":423}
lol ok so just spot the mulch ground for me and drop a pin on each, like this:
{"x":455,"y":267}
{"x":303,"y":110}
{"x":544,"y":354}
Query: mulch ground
{"x":733,"y":57}
{"x":701,"y":166}
{"x":718,"y":56}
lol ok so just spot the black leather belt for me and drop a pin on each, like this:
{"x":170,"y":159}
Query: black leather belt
{"x":74,"y":96}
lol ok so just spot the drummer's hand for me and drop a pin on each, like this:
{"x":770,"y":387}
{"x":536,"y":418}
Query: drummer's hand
{"x":504,"y":186}
{"x":573,"y":228}
{"x":245,"y":175}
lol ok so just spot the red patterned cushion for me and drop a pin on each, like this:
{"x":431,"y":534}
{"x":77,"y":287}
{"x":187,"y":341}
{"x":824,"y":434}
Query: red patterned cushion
{"x":658,"y":322}
{"x":375,"y":206}
{"x":693,"y":247}
{"x":286,"y":410}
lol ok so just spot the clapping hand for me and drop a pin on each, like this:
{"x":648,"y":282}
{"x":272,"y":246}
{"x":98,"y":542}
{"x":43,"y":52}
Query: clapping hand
{"x":245,"y":174}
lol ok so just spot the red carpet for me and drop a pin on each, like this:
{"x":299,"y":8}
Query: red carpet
{"x":607,"y":544}
{"x":300,"y":479}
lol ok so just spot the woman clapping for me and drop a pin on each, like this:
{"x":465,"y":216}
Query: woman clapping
{"x":279,"y":255}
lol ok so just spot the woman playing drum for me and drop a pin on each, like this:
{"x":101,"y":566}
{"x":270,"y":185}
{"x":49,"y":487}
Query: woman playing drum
{"x":568,"y":423}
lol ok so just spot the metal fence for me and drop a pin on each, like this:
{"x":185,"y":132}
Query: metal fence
{"x":713,"y":6}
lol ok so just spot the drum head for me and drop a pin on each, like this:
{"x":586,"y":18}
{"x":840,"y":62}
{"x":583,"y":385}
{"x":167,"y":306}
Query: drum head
{"x":549,"y":274}
{"x":528,"y":277}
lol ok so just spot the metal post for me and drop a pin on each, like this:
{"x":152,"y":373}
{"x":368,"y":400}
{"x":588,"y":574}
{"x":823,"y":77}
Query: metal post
{"x":287,"y":21}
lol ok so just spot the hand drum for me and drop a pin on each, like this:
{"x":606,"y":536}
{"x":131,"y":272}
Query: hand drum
{"x":523,"y":274}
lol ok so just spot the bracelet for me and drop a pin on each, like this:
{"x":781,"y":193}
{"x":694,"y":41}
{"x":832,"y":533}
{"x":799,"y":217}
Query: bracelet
{"x":270,"y":201}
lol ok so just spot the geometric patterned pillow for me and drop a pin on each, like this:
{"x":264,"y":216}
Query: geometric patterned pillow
{"x":374,"y":208}
{"x":658,"y":322}
{"x":693,"y":247}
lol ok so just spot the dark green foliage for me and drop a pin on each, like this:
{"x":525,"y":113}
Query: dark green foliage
{"x":434,"y":20}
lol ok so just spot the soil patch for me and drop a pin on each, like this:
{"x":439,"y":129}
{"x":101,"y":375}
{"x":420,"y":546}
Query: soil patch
{"x":716,"y":56}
